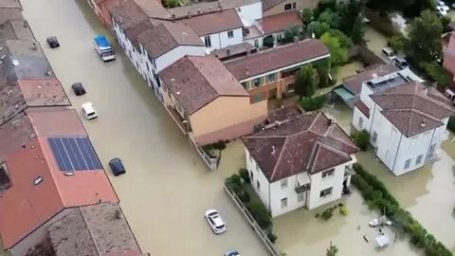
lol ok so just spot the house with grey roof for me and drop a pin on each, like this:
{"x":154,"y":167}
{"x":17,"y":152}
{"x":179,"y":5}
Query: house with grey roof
{"x":406,"y":123}
{"x":299,"y":160}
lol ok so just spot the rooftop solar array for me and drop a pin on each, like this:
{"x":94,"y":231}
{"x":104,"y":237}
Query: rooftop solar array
{"x":74,"y":154}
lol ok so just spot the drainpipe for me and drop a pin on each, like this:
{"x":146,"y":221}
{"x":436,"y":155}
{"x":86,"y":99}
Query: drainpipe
{"x":269,"y":200}
{"x":432,"y":136}
{"x":372,"y":119}
{"x":219,"y":38}
{"x":396,"y":153}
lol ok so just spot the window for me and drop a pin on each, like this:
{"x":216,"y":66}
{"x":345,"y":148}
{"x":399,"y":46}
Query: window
{"x":375,"y":137}
{"x":419,"y":159}
{"x":284,"y":202}
{"x":258,"y":185}
{"x":257,"y":82}
{"x":148,"y":67}
{"x":294,"y":6}
{"x":328,"y":173}
{"x":207,"y":41}
{"x":256,"y":43}
{"x":251,"y":175}
{"x":271,"y":78}
{"x":432,"y":149}
{"x":230,"y":34}
{"x":325,"y":193}
{"x":287,"y":7}
{"x":407,"y":164}
{"x":245,"y":85}
{"x":360,"y":122}
{"x":300,"y":196}
{"x":284,"y":183}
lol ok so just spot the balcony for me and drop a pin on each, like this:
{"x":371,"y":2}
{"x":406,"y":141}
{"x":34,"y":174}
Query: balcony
{"x":348,"y":171}
{"x":302,"y":188}
{"x":181,"y":122}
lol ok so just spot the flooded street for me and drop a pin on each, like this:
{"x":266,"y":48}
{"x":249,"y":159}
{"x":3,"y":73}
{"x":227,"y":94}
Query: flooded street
{"x":166,"y":188}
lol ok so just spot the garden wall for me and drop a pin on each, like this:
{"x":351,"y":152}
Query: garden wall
{"x":365,"y":55}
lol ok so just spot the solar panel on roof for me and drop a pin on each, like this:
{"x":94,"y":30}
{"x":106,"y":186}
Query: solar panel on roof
{"x":74,"y":154}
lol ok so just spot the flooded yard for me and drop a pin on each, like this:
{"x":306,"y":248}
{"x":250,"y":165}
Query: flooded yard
{"x":375,"y":41}
{"x":300,"y":231}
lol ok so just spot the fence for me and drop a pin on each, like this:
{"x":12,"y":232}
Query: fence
{"x":262,"y":235}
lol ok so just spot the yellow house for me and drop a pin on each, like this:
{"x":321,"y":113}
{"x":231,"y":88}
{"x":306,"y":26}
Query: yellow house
{"x":207,"y":102}
{"x":272,"y":7}
{"x":270,"y":73}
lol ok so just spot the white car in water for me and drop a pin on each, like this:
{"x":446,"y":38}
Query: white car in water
{"x":215,"y":221}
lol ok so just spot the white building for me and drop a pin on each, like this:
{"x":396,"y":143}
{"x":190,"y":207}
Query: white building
{"x":217,"y":29}
{"x":299,"y":160}
{"x":153,"y":45}
{"x":407,"y":124}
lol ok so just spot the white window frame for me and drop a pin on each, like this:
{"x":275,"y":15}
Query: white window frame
{"x":360,"y":122}
{"x":230,"y":34}
{"x":407,"y":163}
{"x":284,"y":202}
{"x":328,"y":173}
{"x":419,"y":159}
{"x":374,"y":138}
{"x":284,"y":183}
{"x":326,"y":192}
{"x":300,"y":197}
{"x":207,"y":41}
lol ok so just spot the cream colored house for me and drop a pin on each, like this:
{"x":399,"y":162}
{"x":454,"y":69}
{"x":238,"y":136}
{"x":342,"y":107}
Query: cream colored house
{"x":207,"y":102}
{"x":271,"y":7}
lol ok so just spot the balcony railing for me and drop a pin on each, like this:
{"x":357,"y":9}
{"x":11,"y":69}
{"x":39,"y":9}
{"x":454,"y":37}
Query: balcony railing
{"x":182,"y":123}
{"x":348,"y":171}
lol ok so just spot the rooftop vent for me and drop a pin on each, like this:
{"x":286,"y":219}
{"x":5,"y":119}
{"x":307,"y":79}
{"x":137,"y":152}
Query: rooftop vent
{"x":49,"y":73}
{"x":3,"y":57}
{"x":34,"y":47}
{"x":422,"y":124}
{"x":69,"y":173}
{"x":15,"y":62}
{"x":25,"y":24}
{"x":273,"y":150}
{"x":38,"y":180}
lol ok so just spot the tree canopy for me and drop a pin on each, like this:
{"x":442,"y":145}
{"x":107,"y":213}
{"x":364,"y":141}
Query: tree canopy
{"x":306,"y":80}
{"x":338,"y":53}
{"x":425,"y":38}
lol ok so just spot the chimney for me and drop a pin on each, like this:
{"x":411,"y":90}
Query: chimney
{"x":173,"y":17}
{"x":422,"y":124}
{"x":273,"y":150}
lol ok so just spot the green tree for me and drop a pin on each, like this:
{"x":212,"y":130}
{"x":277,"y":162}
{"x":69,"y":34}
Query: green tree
{"x":291,"y":33}
{"x":345,"y":41}
{"x":332,"y":250}
{"x":425,"y":38}
{"x":171,"y":3}
{"x":357,"y":31}
{"x":306,"y":80}
{"x":338,"y":54}
{"x":307,"y":16}
{"x":317,"y":28}
{"x":331,"y":18}
{"x":398,"y":43}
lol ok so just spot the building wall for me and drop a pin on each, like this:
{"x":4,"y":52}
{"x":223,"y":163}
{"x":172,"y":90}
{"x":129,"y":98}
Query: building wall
{"x":318,"y":184}
{"x":37,"y":237}
{"x":250,"y":13}
{"x":221,"y":40}
{"x":300,"y":5}
{"x":258,"y":180}
{"x":174,"y":55}
{"x":227,"y":112}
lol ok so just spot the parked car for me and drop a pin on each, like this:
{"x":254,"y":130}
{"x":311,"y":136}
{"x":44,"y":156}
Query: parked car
{"x":388,"y":52}
{"x":117,"y":167}
{"x":78,"y":89}
{"x":215,"y":221}
{"x":442,"y":10}
{"x":52,"y":42}
{"x":400,"y":62}
{"x":89,"y":111}
{"x":232,"y":253}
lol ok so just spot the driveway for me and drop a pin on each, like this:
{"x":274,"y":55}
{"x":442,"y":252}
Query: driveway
{"x":166,"y":188}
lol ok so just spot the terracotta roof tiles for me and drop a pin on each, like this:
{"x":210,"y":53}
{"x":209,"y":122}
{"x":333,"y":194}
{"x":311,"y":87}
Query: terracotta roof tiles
{"x":213,"y":23}
{"x":280,"y":22}
{"x":306,"y":143}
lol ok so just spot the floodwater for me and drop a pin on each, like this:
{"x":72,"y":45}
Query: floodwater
{"x":375,"y":41}
{"x":166,"y":189}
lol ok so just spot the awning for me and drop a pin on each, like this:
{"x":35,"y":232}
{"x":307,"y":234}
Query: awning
{"x":344,"y":94}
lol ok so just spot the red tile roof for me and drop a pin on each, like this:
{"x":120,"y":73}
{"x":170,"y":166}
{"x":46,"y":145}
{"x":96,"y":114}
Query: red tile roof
{"x":354,"y":83}
{"x":214,"y":22}
{"x":126,"y":13}
{"x":362,"y":107}
{"x":307,"y":143}
{"x":163,"y":37}
{"x":268,"y":4}
{"x":25,"y":206}
{"x":196,"y":81}
{"x":277,"y":58}
{"x":280,"y":22}
{"x":412,"y":108}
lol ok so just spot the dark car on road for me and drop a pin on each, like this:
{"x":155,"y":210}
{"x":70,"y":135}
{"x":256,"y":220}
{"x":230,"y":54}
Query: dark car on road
{"x":117,"y":166}
{"x":52,"y":42}
{"x":78,"y":89}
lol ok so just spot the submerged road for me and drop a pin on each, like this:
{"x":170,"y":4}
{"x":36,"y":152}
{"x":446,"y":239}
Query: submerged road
{"x":166,"y":189}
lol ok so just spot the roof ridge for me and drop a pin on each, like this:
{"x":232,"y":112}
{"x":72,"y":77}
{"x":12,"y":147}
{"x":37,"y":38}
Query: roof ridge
{"x":278,"y":159}
{"x":312,"y":158}
{"x":190,"y":59}
{"x":334,"y":150}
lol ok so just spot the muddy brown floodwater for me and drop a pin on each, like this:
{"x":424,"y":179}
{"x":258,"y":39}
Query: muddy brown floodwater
{"x":166,"y":189}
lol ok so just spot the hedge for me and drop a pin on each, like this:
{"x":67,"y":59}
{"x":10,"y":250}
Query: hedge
{"x":313,"y":103}
{"x":378,"y":197}
{"x":451,"y":124}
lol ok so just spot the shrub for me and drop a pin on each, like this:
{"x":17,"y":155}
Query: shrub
{"x":344,"y":211}
{"x":328,"y":213}
{"x":397,"y":43}
{"x":220,"y":145}
{"x":260,"y":214}
{"x":244,"y":175}
{"x":361,"y":139}
{"x":317,"y":215}
{"x":436,"y":74}
{"x":272,"y":237}
{"x":451,"y":126}
{"x":313,"y":103}
{"x":234,"y":183}
{"x":244,"y":196}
